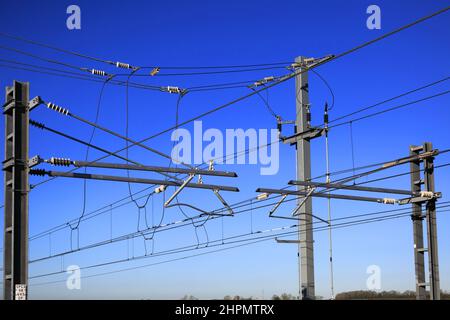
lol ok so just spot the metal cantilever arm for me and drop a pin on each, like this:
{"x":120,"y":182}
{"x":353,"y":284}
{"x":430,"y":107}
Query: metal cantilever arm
{"x":183,"y":185}
{"x":153,"y":168}
{"x":131,"y":179}
{"x":186,"y":183}
{"x":350,"y":187}
{"x":221,"y":199}
{"x":294,"y":213}
{"x":290,"y":241}
{"x":275,"y":207}
{"x":331,"y":195}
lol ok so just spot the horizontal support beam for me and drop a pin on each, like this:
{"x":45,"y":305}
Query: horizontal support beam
{"x":324,"y":195}
{"x":343,"y":186}
{"x":194,"y":171}
{"x":132,"y":180}
{"x":420,"y":199}
{"x":308,"y":135}
{"x":290,"y":241}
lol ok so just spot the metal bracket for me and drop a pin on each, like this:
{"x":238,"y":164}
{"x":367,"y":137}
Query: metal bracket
{"x":417,"y":218}
{"x":33,"y":103}
{"x":436,"y":195}
{"x":32,"y":162}
{"x":13,"y":162}
{"x":9,"y":105}
{"x":307,"y":135}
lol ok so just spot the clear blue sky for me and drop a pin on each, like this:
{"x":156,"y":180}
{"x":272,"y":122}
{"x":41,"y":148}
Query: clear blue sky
{"x":186,"y":33}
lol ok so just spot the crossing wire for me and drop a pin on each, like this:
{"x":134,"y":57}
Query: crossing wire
{"x":283,"y":79}
{"x":372,"y":42}
{"x":284,"y":234}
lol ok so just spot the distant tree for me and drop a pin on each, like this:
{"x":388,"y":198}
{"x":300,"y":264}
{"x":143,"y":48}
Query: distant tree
{"x":189,"y":297}
{"x":276,"y":297}
{"x":287,"y":296}
{"x":227,"y":297}
{"x":391,"y":294}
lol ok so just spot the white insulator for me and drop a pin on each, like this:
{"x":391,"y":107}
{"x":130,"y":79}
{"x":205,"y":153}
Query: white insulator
{"x":60,"y":161}
{"x":426,"y":194}
{"x":309,"y":60}
{"x":262,"y":196}
{"x":211,"y":165}
{"x":98,"y":72}
{"x":389,"y":201}
{"x":173,"y":89}
{"x":263,"y":81}
{"x":57,"y":108}
{"x":123,"y":65}
{"x":160,"y":189}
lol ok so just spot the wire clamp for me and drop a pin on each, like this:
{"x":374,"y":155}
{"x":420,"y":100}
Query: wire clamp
{"x":155,"y":71}
{"x":262,"y":196}
{"x":389,"y":201}
{"x":427,"y":194}
{"x":172,"y":89}
{"x":263,"y":81}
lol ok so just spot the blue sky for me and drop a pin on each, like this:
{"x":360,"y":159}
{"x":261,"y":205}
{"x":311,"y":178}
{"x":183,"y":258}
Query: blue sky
{"x":193,"y":33}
